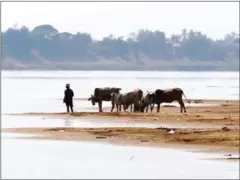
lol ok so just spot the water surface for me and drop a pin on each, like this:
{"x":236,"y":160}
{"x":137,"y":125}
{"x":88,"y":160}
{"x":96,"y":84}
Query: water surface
{"x":63,"y":159}
{"x":40,"y":91}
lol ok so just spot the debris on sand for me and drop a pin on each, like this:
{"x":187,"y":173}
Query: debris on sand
{"x":225,"y":128}
{"x":163,"y":128}
{"x":227,"y":155}
{"x":168,"y":106}
{"x":225,"y":118}
{"x":171,"y":132}
{"x":225,"y":105}
{"x":233,"y":158}
{"x":101,"y":137}
{"x":198,"y":101}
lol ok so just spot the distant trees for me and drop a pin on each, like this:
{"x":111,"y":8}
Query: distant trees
{"x":47,"y":42}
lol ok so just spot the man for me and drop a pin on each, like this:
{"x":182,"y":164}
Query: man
{"x":68,"y":97}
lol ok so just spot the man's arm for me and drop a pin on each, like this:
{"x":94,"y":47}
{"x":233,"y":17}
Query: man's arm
{"x":64,"y":98}
{"x":72,"y":93}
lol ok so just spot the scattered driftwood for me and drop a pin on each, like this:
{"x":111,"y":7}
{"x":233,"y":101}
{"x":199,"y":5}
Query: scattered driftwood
{"x":101,"y":137}
{"x":225,"y":128}
{"x":198,"y":101}
{"x":168,"y":106}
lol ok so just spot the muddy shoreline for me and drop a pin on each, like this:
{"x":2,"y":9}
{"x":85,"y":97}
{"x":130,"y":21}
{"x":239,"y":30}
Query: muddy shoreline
{"x":222,"y":134}
{"x":209,"y":140}
{"x":222,"y":114}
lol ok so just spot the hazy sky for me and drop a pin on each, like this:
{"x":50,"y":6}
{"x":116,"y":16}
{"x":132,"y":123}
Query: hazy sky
{"x":120,"y":18}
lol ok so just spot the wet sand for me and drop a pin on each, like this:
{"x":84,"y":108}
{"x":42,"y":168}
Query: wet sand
{"x":210,"y":140}
{"x":227,"y":159}
{"x":222,"y":134}
{"x":223,"y":113}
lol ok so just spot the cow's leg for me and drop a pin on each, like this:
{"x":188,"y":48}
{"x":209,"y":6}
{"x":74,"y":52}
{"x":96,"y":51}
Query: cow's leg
{"x":127,"y":107}
{"x":100,"y":106}
{"x":147,"y":108}
{"x":113,"y":106}
{"x":152,"y":106}
{"x":120,"y":107}
{"x":158,"y":107}
{"x":182,"y":106}
{"x":124,"y":107}
{"x":135,"y":107}
{"x":131,"y":107}
{"x":117,"y":107}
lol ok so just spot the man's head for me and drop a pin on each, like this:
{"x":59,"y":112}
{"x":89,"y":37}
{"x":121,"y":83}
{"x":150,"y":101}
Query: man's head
{"x":67,"y":85}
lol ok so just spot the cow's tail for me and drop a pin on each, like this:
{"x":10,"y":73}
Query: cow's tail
{"x":186,"y":97}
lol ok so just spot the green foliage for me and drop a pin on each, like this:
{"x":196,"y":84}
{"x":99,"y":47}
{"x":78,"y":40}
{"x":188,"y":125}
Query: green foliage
{"x":48,"y":43}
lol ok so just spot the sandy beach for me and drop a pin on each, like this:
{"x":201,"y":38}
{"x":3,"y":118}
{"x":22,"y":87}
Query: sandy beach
{"x":220,"y":132}
{"x":221,"y":113}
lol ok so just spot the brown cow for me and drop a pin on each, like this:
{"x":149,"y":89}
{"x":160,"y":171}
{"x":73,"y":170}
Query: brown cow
{"x":127,"y":99}
{"x":146,"y":101}
{"x":168,"y":96}
{"x":116,"y":101}
{"x":139,"y":95}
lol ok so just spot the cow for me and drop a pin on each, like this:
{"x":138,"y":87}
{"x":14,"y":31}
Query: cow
{"x":125,"y":99}
{"x":116,"y":101}
{"x":139,"y":95}
{"x":146,"y":101}
{"x":103,"y":94}
{"x":168,"y":96}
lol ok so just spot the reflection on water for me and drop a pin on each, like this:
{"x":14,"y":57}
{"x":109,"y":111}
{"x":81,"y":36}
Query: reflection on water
{"x":28,"y":121}
{"x":31,"y":121}
{"x":67,"y":122}
{"x":13,"y":135}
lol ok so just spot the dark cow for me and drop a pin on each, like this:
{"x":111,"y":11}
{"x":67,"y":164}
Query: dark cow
{"x":103,"y":94}
{"x":139,"y":95}
{"x":116,"y":101}
{"x":168,"y":96}
{"x":126,"y":99}
{"x":146,"y":101}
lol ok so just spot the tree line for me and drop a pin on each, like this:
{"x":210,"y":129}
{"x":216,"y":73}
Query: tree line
{"x":45,"y":41}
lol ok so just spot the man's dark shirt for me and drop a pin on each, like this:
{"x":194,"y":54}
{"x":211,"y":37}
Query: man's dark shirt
{"x":68,"y":95}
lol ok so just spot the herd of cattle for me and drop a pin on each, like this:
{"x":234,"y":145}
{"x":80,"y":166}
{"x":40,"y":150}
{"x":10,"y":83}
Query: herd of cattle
{"x":137,"y":99}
